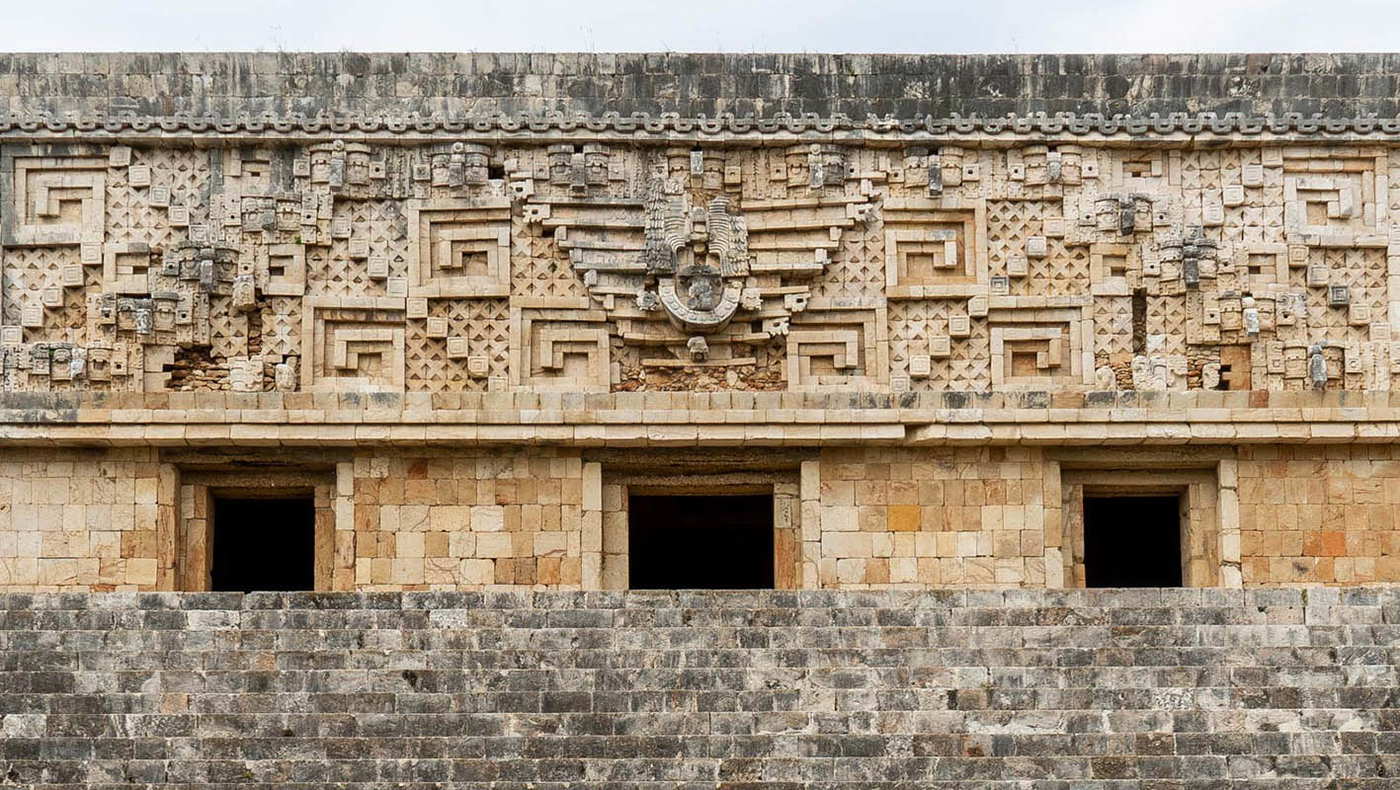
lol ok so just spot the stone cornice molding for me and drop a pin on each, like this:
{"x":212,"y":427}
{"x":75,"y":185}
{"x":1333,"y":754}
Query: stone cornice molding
{"x":644,"y":127}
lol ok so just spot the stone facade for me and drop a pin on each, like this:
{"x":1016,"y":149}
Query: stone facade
{"x":760,"y":85}
{"x":855,"y":517}
{"x":711,"y":261}
{"x":929,"y":312}
{"x":82,"y":519}
{"x":469,"y":519}
{"x":470,"y":304}
{"x":1319,"y":514}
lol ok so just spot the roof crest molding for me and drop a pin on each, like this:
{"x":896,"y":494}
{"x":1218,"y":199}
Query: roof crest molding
{"x":671,"y":124}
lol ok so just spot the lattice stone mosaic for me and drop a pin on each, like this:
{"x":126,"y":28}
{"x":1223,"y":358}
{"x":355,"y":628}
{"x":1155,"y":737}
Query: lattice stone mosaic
{"x":339,"y":265}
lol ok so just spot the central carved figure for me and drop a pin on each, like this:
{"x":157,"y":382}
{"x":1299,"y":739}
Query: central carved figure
{"x":687,"y":265}
{"x":702,"y":287}
{"x":699,"y":258}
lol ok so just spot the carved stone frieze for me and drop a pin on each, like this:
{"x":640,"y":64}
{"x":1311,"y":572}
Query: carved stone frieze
{"x":756,"y":258}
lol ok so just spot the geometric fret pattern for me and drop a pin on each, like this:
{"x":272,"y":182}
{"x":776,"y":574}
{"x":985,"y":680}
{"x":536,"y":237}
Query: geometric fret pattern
{"x":529,"y":264}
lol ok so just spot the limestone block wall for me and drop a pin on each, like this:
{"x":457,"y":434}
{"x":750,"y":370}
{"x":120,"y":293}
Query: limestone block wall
{"x":1320,"y":514}
{"x":468,"y":519}
{"x":944,"y":517}
{"x":457,"y":84}
{"x":88,"y":520}
{"x":1148,"y":689}
{"x":845,"y":518}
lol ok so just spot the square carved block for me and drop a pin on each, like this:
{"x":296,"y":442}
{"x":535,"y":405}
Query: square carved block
{"x":1266,"y":264}
{"x":52,"y":200}
{"x":459,"y":248}
{"x":1112,"y":268}
{"x":1333,"y":197}
{"x":563,"y":349}
{"x":1040,"y":347}
{"x":935,"y":249}
{"x":126,"y":268}
{"x":284,"y":269}
{"x":838,"y":350}
{"x":353,"y":344}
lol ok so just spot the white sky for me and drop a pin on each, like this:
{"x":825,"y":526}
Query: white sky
{"x":705,"y":25}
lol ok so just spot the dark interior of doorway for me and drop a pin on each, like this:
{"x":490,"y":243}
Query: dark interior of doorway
{"x":263,"y":544}
{"x":700,"y":542}
{"x":1132,"y":541}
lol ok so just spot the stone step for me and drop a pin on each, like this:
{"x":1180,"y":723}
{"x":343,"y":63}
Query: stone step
{"x":1011,"y":689}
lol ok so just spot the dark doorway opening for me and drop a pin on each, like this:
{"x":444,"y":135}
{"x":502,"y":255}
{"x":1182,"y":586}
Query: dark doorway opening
{"x":263,"y":544}
{"x":700,"y":542}
{"x":1132,"y":541}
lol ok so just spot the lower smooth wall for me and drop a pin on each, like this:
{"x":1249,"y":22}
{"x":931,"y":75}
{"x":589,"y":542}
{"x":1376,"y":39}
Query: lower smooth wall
{"x":863,"y":517}
{"x":83,"y":519}
{"x":1320,"y":514}
{"x":1206,"y":688}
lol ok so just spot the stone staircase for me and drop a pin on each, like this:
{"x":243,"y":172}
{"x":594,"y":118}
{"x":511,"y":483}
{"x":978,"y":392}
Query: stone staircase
{"x":1195,"y":688}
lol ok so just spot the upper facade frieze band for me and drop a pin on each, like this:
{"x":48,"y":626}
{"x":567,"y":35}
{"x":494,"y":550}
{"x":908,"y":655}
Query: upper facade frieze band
{"x":522,"y":224}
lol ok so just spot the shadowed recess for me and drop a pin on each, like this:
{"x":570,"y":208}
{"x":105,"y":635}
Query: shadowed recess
{"x":1132,"y":541}
{"x":700,"y":542}
{"x":263,"y":544}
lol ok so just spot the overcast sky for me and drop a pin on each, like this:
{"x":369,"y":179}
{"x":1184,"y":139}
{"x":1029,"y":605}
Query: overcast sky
{"x":706,"y":25}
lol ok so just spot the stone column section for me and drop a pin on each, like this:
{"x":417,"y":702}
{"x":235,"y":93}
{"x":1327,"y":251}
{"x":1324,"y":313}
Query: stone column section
{"x":591,"y":544}
{"x":167,"y":526}
{"x":343,"y":572}
{"x":1053,"y":512}
{"x":810,"y":492}
{"x":328,"y":555}
{"x":787,"y":536}
{"x":1230,"y":560}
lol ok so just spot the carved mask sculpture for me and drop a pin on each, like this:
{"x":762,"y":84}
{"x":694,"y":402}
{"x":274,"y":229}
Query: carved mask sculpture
{"x":1317,"y":367}
{"x":699,"y":258}
{"x":676,"y":248}
{"x":1191,"y":249}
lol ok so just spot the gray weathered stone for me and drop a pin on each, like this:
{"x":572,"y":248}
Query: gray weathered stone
{"x":1064,"y":689}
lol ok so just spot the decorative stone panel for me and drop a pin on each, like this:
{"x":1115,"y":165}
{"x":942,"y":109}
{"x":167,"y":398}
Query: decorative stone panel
{"x":55,"y":197}
{"x":459,"y":248}
{"x":353,"y":344}
{"x":625,"y":255}
{"x":560,"y":349}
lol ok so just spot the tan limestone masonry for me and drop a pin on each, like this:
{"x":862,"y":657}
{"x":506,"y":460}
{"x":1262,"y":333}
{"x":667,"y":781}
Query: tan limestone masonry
{"x":469,"y":337}
{"x":859,"y":517}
